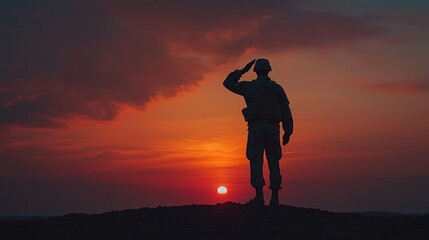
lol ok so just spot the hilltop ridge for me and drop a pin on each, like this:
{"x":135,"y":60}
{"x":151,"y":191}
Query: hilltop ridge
{"x":221,"y":221}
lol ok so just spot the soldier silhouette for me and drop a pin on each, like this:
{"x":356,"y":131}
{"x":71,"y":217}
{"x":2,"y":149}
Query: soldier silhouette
{"x":267,"y":106}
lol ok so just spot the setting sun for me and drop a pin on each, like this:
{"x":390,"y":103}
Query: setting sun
{"x":222,"y":190}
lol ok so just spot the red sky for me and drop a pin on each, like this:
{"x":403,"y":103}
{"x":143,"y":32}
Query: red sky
{"x":107,"y":105}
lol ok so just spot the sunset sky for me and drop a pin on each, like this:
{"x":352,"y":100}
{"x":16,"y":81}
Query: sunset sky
{"x":107,"y":105}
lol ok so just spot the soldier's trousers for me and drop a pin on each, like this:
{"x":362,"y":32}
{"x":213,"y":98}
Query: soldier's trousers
{"x":257,"y":144}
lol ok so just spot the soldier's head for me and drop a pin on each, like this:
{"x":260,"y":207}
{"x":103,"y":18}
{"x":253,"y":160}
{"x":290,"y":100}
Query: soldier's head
{"x":262,"y":67}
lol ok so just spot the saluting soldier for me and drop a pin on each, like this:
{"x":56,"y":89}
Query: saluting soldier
{"x":267,"y":106}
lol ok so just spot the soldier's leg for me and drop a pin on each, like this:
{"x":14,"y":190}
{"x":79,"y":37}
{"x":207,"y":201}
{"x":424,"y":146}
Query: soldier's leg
{"x":255,"y":154}
{"x":274,"y":154}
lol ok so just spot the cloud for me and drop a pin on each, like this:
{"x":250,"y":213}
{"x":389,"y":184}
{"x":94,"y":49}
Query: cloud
{"x":61,"y":60}
{"x":408,"y":87}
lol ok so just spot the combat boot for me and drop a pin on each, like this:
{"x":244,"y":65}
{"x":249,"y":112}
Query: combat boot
{"x":258,"y":200}
{"x":274,"y":202}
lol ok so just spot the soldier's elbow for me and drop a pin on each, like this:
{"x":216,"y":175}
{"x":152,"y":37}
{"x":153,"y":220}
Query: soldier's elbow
{"x":225,"y":84}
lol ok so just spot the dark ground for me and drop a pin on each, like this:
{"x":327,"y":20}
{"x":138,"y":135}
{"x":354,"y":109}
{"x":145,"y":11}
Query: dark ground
{"x":221,"y":221}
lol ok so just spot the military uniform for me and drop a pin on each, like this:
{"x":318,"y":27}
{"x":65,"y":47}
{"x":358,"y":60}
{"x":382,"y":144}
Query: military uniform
{"x":267,"y":106}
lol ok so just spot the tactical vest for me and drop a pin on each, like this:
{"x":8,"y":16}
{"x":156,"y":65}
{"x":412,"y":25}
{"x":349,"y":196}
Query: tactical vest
{"x":264,"y":103}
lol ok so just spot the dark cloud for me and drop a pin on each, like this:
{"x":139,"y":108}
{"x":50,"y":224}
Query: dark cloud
{"x":65,"y":59}
{"x":408,"y":87}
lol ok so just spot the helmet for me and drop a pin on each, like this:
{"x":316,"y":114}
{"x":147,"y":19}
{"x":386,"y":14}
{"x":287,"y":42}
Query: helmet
{"x":262,"y":64}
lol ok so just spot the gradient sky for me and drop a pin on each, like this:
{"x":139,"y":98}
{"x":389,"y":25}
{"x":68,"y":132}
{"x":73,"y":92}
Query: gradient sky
{"x":106,"y":105}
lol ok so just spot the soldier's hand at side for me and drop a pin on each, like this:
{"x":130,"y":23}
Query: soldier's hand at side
{"x":286,"y":138}
{"x":247,"y":67}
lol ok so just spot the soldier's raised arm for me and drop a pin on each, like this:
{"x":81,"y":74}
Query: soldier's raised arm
{"x":232,"y":80}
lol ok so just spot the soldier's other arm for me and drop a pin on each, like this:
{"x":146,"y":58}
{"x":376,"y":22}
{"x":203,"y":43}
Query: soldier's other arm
{"x":287,"y":120}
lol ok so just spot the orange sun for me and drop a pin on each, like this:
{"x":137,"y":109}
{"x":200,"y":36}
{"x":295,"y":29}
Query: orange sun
{"x":222,"y":190}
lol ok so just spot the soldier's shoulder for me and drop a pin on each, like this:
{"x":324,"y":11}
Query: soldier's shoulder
{"x":276,"y":85}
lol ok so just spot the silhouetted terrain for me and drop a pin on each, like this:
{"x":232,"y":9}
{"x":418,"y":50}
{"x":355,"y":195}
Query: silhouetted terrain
{"x":221,"y":221}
